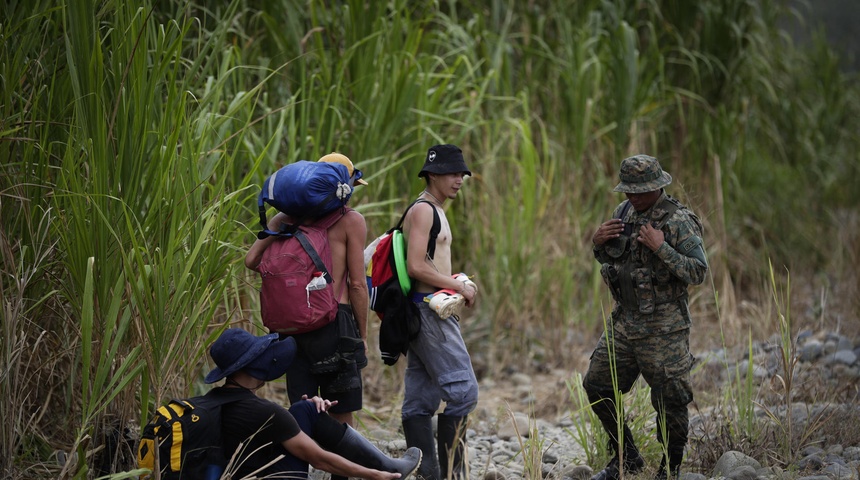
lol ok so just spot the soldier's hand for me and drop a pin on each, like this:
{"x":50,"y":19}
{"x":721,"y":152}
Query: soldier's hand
{"x":650,"y":237}
{"x":607,"y":231}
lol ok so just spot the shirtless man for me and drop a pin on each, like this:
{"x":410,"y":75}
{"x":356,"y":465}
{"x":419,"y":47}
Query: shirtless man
{"x":438,"y":364}
{"x":346,"y":239}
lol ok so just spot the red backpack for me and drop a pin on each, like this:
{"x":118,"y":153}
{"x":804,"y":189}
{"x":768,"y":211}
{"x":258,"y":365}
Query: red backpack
{"x":388,"y":285}
{"x":297,"y":295}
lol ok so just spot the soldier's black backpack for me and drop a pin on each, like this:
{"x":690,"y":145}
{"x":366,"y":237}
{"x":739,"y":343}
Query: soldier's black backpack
{"x":183,"y":439}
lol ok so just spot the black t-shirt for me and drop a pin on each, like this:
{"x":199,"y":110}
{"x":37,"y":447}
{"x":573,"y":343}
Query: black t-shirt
{"x":251,"y":416}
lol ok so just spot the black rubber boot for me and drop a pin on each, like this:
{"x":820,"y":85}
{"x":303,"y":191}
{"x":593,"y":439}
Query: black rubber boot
{"x":633,"y":461}
{"x":358,"y":449}
{"x":419,"y":433}
{"x":452,"y":443}
{"x":603,"y":406}
{"x":672,"y":429}
{"x":676,"y":457}
{"x":612,"y":471}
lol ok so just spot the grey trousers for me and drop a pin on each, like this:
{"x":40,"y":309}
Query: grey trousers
{"x":438,"y":368}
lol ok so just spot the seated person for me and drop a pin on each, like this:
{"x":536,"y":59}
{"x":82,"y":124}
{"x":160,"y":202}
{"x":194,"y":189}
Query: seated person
{"x":284,"y":442}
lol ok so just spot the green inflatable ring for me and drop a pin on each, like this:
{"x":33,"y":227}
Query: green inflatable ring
{"x":399,"y":248}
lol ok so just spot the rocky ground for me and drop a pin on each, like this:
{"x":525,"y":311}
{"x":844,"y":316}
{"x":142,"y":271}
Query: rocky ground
{"x":532,"y":426}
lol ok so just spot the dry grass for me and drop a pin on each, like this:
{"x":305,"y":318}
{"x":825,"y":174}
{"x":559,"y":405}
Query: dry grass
{"x":825,"y":425}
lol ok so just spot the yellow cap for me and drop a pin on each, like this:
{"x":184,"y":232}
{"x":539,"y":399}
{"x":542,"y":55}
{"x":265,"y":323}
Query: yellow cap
{"x":335,"y":157}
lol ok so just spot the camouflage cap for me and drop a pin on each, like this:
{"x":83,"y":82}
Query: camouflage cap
{"x":641,"y":174}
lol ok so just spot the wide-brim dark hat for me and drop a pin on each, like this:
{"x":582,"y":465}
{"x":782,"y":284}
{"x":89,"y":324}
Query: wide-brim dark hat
{"x":442,"y":159}
{"x":274,"y":361}
{"x":236,"y":348}
{"x":641,"y":174}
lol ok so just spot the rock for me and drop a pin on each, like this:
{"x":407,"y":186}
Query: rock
{"x":742,"y":472}
{"x":845,"y":357}
{"x":382,"y":434}
{"x":804,"y":335}
{"x":811,"y":463}
{"x":833,"y":458}
{"x":812,"y":450}
{"x":844,"y":343}
{"x":555,"y":450}
{"x":769,"y":472}
{"x":549,"y":457}
{"x":693,"y":476}
{"x":841,"y":472}
{"x":577,"y":472}
{"x":472,"y":455}
{"x":811,"y":351}
{"x":516,"y":469}
{"x":730,"y":461}
{"x":493,"y":474}
{"x":773,"y":362}
{"x":511,"y":428}
{"x":521,"y":379}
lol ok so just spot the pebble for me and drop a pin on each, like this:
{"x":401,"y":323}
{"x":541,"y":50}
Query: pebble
{"x":507,"y":448}
{"x":846,"y":357}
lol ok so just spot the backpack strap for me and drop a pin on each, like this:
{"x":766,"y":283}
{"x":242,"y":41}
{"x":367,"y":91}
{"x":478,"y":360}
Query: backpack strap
{"x":312,"y":213}
{"x":309,"y":249}
{"x":324,"y":224}
{"x":434,"y":230}
{"x":671,"y":205}
{"x":628,"y":228}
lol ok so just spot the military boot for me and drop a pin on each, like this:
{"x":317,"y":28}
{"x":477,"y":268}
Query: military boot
{"x":633,"y":461}
{"x":633,"y":464}
{"x":676,"y":457}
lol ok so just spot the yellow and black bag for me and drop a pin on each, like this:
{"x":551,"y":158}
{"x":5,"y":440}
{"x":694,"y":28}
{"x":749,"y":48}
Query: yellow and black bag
{"x":183,"y":439}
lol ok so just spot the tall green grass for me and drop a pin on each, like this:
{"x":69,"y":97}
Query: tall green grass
{"x":135,"y":137}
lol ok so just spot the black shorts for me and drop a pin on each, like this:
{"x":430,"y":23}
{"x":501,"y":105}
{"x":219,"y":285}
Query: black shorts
{"x":344,"y":384}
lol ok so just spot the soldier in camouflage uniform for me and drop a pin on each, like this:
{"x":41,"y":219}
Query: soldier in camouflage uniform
{"x":650,"y":251}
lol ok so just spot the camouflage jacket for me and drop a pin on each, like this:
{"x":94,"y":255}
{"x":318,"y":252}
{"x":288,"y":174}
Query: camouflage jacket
{"x":650,"y":288}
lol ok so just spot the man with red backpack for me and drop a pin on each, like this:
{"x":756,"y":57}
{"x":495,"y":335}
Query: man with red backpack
{"x":329,"y":358}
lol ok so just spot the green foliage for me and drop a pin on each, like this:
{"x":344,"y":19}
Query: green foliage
{"x":135,"y":135}
{"x":635,"y":407}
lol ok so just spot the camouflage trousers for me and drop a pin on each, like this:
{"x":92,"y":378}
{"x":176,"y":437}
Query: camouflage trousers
{"x":664,"y":361}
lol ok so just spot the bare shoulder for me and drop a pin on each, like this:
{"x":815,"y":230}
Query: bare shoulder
{"x":352,"y":223}
{"x":352,"y":217}
{"x":422,"y":211}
